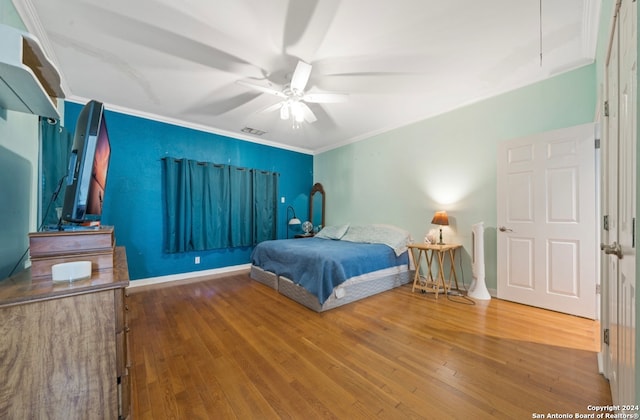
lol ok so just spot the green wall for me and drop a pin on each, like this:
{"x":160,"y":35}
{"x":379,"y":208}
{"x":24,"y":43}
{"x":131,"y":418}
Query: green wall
{"x":9,"y":15}
{"x":18,"y":172}
{"x":448,"y":162}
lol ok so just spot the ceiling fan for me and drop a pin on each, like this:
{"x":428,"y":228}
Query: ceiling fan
{"x":293,"y":106}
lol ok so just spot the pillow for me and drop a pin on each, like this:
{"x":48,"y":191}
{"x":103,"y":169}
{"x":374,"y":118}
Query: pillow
{"x":333,"y":232}
{"x":392,"y":236}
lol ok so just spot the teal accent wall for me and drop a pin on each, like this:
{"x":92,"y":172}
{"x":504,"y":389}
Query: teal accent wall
{"x":133,"y":201}
{"x":448,"y":162}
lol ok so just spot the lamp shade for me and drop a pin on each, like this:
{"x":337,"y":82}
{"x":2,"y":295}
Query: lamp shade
{"x":294,"y":220}
{"x":440,"y":218}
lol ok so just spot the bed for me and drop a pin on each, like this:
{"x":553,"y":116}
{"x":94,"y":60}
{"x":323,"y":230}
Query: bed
{"x":340,"y":265}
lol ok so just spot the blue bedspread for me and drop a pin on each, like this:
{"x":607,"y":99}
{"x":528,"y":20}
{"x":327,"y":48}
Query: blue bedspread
{"x":319,"y":265}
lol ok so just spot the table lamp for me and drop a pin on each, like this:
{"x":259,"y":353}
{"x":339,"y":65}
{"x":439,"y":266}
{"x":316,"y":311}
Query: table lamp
{"x":440,"y":218}
{"x":293,"y":221}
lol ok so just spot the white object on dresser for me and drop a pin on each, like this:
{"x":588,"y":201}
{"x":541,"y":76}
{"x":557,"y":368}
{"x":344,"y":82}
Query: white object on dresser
{"x":71,"y":271}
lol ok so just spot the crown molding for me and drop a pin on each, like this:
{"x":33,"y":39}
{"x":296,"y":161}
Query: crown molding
{"x":193,"y":126}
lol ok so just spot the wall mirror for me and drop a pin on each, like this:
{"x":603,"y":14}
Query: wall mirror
{"x":316,"y":205}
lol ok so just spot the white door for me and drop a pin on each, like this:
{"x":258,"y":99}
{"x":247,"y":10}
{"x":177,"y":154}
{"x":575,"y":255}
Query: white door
{"x":627,"y":201}
{"x":547,"y":220}
{"x":609,"y":233}
{"x":621,"y":171}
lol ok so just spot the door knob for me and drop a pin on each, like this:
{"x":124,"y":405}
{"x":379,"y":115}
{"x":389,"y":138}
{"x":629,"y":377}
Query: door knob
{"x":613,"y":249}
{"x":505,"y":229}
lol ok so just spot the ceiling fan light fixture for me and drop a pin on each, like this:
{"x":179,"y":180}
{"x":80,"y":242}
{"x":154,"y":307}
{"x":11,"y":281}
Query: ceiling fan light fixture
{"x":284,"y":111}
{"x":293,"y":106}
{"x":297,"y":111}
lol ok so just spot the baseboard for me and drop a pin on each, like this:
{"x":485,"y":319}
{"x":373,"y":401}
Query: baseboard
{"x":190,"y":276}
{"x":600,"y":358}
{"x":492,"y":292}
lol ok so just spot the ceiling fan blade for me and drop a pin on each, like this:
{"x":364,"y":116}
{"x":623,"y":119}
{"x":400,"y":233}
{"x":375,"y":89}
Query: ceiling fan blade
{"x":309,"y":116}
{"x":263,"y":89}
{"x":273,"y":107}
{"x":178,"y":44}
{"x":221,"y":104}
{"x":325,"y":119}
{"x":307,"y":23}
{"x":325,"y":98}
{"x":300,"y":76}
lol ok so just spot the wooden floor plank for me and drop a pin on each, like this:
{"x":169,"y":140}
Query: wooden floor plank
{"x":229,"y":347}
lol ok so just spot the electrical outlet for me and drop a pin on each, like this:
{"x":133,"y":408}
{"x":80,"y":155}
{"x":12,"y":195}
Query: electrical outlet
{"x":282,"y":200}
{"x":197,"y":260}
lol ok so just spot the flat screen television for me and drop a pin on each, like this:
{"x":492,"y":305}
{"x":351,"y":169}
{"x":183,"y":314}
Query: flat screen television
{"x":88,"y":166}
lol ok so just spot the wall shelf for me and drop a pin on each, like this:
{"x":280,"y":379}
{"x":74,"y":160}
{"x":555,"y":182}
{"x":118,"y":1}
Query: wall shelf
{"x":29,"y":81}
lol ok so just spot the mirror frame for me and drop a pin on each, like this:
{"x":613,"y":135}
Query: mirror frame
{"x":317,"y":189}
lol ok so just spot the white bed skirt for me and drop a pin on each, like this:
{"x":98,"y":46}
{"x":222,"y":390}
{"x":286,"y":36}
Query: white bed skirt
{"x":353,"y":289}
{"x":265,"y":277}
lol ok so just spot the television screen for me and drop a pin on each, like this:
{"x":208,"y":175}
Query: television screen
{"x":88,"y":166}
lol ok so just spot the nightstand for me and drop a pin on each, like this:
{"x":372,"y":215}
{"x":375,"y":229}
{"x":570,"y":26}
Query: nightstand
{"x":429,"y":283}
{"x":304,"y":235}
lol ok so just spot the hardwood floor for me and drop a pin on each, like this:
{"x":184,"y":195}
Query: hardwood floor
{"x":230,"y":348}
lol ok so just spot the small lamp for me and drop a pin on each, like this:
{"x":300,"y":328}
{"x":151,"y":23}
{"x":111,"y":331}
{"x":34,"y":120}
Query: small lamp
{"x":293,"y":221}
{"x":440,"y":218}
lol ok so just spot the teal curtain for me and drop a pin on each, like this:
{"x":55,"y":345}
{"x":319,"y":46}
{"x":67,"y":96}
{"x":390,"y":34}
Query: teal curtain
{"x":56,"y":148}
{"x":265,"y":204}
{"x":218,"y":211}
{"x":241,"y":199}
{"x":200,"y":206}
{"x":210,"y":206}
{"x":178,"y":218}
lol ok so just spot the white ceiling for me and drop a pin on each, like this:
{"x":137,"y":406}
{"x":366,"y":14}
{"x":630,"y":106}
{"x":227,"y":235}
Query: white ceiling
{"x":400,"y":61}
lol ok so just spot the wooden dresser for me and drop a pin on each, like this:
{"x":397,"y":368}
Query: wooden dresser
{"x":63,"y":346}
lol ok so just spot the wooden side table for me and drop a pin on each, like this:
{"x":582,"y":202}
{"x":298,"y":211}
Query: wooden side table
{"x":429,"y":283}
{"x":304,"y":235}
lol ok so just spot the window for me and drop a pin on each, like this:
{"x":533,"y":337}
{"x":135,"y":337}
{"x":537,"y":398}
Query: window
{"x":211,"y":206}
